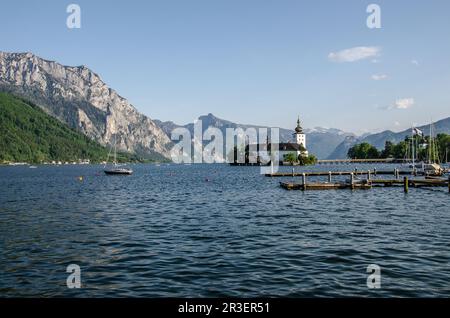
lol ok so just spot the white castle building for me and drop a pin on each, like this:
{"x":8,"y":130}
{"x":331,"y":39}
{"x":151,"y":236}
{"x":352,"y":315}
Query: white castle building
{"x":297,"y":148}
{"x":300,"y":136}
{"x":279,"y":151}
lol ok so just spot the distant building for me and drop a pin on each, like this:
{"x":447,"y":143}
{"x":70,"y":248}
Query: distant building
{"x":300,"y":136}
{"x":298,"y":147}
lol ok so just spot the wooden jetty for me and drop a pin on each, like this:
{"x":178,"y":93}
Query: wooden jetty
{"x":324,"y":186}
{"x":366,"y":184}
{"x":411,"y":182}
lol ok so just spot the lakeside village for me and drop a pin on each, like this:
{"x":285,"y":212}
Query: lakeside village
{"x":54,"y":163}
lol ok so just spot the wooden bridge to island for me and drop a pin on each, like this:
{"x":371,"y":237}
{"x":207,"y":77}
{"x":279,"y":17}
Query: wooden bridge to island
{"x":331,"y":162}
{"x":356,"y":172}
{"x":350,"y":161}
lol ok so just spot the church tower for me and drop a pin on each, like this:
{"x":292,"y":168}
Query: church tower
{"x":300,"y":137}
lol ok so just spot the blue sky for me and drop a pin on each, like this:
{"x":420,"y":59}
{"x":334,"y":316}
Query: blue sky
{"x":258,"y":62}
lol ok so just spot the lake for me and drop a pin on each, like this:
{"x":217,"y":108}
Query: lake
{"x":214,"y":230}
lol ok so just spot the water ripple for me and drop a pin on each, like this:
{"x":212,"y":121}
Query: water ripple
{"x":213,"y":230}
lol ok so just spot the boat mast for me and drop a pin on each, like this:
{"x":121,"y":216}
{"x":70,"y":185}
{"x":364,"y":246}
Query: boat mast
{"x":430,"y":145}
{"x":412,"y":149}
{"x":436,"y":157}
{"x":115,"y":150}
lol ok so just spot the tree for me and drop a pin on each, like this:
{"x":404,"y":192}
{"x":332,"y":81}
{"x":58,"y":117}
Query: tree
{"x":290,"y":157}
{"x":363,"y":151}
{"x":388,"y":151}
{"x":307,"y":160}
{"x":402,"y":150}
{"x":443,"y":145}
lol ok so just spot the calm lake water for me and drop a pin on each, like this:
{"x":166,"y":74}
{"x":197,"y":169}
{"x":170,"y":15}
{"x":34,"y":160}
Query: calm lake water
{"x":215,"y":230}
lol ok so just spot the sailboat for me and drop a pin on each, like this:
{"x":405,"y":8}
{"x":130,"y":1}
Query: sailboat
{"x":116,"y":169}
{"x":433,"y":167}
{"x":412,"y":150}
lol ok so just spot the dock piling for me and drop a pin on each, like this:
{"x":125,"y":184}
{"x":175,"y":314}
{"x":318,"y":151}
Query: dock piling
{"x":352,"y":180}
{"x":329,"y":177}
{"x":406,"y":184}
{"x":304,"y":181}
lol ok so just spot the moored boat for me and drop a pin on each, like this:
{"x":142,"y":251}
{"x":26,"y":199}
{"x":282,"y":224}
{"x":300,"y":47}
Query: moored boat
{"x":116,"y":170}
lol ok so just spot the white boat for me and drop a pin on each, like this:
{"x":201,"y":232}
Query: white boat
{"x":433,"y":166}
{"x":433,"y":169}
{"x":116,"y":169}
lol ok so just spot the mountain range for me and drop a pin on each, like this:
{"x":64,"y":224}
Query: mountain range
{"x":79,"y":98}
{"x":379,"y":139}
{"x":320,"y":141}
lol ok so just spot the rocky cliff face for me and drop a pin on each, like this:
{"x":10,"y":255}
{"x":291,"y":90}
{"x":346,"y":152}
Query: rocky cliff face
{"x":78,"y":97}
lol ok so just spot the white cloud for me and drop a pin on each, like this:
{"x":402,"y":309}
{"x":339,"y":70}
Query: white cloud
{"x":401,"y":103}
{"x":379,"y":77}
{"x":354,"y":54}
{"x":404,"y":103}
{"x":415,"y":62}
{"x":396,"y":124}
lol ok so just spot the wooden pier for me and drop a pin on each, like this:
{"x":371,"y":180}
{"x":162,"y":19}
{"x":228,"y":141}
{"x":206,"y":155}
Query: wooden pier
{"x":324,"y":186}
{"x":415,"y":183}
{"x":355,"y":184}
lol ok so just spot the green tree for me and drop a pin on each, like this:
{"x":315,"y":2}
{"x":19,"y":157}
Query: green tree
{"x":307,"y":160}
{"x":388,"y":151}
{"x":290,"y":157}
{"x":443,"y":145}
{"x":363,"y":151}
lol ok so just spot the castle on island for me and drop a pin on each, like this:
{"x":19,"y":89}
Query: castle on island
{"x":280,"y":151}
{"x":297,"y":147}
